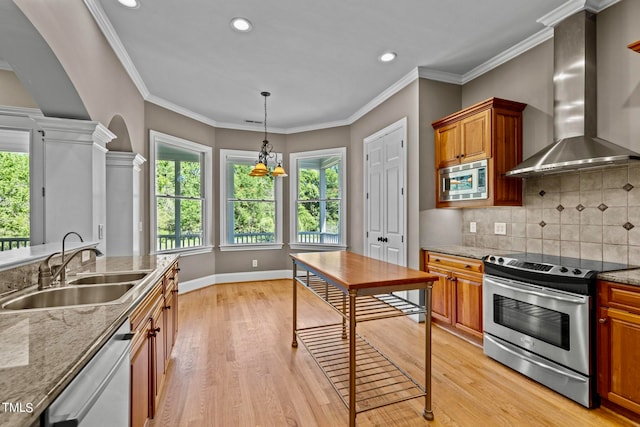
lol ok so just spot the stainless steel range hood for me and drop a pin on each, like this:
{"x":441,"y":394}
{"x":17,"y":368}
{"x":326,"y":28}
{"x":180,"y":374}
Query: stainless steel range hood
{"x":575,"y":106}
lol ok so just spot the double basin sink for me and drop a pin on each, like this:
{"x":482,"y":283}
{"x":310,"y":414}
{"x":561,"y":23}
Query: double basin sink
{"x":86,"y":290}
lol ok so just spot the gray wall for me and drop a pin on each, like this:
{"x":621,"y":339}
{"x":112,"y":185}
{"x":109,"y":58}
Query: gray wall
{"x":527,"y":78}
{"x":402,"y":104}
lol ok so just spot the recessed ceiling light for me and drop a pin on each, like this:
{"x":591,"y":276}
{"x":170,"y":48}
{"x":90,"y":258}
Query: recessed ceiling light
{"x":387,"y":57}
{"x":132,"y":4}
{"x":241,"y":24}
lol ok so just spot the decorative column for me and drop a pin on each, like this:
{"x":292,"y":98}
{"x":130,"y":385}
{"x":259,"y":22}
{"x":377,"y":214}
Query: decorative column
{"x":74,"y":178}
{"x":123,"y":203}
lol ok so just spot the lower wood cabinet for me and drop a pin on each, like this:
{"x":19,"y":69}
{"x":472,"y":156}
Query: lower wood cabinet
{"x":456,"y":300}
{"x":154,"y":324}
{"x":618,"y":345}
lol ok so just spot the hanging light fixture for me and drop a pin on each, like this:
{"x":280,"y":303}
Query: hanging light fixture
{"x":262,"y":165}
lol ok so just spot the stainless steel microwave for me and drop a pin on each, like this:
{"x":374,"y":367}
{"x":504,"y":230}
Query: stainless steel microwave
{"x":467,"y":181}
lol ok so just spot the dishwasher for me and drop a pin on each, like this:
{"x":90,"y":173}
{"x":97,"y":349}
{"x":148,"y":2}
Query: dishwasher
{"x":99,"y":394}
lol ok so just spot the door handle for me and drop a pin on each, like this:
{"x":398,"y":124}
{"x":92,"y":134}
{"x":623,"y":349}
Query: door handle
{"x":384,"y":239}
{"x":379,"y":239}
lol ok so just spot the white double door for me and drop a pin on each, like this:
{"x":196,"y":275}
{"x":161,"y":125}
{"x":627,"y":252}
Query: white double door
{"x":385,"y":205}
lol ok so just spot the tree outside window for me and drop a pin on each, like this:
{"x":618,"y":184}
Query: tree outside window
{"x":14,"y":193}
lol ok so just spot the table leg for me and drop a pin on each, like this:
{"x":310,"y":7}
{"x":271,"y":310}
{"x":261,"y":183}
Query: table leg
{"x":352,"y":359}
{"x":344,"y":320}
{"x":428,"y":412}
{"x":294,"y":342}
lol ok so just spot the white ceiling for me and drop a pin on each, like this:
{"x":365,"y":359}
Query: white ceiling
{"x":317,"y":58}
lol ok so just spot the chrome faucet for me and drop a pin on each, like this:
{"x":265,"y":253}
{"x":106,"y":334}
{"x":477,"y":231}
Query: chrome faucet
{"x":63,"y":273}
{"x":47,"y":275}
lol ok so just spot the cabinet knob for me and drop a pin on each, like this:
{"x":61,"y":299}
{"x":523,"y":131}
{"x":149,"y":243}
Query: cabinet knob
{"x":461,"y":155}
{"x":602,"y":320}
{"x":437,"y":260}
{"x":157,"y":329}
{"x":467,"y":266}
{"x":167,"y":307}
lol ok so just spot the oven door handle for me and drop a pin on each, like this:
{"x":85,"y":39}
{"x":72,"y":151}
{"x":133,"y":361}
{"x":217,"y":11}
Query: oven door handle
{"x":577,"y":300}
{"x":536,"y":362}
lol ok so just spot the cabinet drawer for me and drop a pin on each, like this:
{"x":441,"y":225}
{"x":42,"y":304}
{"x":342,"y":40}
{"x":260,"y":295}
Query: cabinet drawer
{"x":454,"y":262}
{"x":617,"y":295}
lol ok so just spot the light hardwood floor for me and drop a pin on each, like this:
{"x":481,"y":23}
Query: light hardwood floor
{"x":233,"y":365}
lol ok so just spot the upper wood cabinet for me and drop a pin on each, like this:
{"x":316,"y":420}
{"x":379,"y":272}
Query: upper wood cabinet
{"x":490,"y":130}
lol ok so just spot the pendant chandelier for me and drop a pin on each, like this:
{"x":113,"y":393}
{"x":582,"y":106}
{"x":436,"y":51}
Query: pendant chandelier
{"x":261,"y":167}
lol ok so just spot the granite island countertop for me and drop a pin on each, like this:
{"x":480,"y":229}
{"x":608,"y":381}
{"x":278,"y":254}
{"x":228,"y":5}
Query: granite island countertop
{"x":42,"y":350}
{"x":627,"y":277}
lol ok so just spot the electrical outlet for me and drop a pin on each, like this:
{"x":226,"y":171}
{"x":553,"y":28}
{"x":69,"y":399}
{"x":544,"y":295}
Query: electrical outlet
{"x":472,"y":227}
{"x":100,"y":231}
{"x":254,"y":263}
{"x":500,"y":228}
{"x":85,"y":256}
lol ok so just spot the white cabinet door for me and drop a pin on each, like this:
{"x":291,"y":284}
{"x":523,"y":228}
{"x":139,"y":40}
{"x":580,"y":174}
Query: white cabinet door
{"x":385,"y":204}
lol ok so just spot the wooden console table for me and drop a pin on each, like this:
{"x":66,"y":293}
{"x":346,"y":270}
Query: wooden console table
{"x":360,"y":289}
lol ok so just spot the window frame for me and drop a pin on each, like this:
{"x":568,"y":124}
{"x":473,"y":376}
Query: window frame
{"x":293,"y":192}
{"x":206,"y":152}
{"x":249,"y":156}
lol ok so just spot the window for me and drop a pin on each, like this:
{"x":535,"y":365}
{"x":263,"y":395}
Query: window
{"x":15,"y":227}
{"x":181,"y":188}
{"x":318,"y":190}
{"x":251,"y":207}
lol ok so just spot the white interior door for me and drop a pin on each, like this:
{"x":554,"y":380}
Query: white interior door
{"x":385,"y":202}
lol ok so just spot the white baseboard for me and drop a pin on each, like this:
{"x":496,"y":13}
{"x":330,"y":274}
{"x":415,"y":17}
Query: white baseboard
{"x":248,"y":276}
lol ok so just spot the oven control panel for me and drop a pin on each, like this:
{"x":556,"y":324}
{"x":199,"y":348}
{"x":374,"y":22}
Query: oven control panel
{"x":538,"y":267}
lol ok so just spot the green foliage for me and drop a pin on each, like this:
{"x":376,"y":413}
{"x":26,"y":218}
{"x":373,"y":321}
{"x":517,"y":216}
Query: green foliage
{"x":254,"y":205}
{"x":187,"y":184}
{"x":14,"y":194}
{"x":310,"y":204}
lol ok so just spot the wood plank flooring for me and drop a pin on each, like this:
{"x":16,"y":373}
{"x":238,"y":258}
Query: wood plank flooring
{"x":233,"y":365}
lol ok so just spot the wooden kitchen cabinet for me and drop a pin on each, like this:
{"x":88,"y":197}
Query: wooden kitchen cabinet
{"x":456,"y":299}
{"x":154,"y":326}
{"x":490,"y":130}
{"x":618,"y":344}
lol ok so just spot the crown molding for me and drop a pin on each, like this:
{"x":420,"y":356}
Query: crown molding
{"x":110,"y":34}
{"x":509,"y":54}
{"x":9,"y":110}
{"x":161,"y":102}
{"x":441,"y":76}
{"x":386,"y":94}
{"x":552,"y":18}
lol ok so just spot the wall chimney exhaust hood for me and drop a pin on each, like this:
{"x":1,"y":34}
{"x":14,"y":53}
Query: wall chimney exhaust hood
{"x":575,"y":106}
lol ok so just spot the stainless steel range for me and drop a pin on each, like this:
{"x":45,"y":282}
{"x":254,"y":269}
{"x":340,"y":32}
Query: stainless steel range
{"x":539,"y":319}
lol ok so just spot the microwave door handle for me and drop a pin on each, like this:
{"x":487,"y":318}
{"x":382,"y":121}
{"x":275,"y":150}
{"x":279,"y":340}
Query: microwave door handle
{"x":536,"y":362}
{"x":539,"y":294}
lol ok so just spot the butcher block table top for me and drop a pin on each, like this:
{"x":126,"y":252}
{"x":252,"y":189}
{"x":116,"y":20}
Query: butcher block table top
{"x":353,"y":272}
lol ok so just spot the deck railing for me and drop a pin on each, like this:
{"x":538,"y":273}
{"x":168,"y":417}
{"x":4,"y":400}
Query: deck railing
{"x":168,"y":241}
{"x":7,"y":243}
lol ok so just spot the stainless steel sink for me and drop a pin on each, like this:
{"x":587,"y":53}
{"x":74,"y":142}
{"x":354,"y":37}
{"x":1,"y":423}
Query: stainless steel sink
{"x":109,"y":278}
{"x":69,"y":296}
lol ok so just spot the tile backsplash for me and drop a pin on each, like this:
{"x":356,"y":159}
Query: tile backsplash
{"x":592,"y":214}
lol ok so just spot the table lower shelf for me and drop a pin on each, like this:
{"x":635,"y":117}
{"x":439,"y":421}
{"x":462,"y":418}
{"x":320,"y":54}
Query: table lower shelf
{"x":379,"y":381}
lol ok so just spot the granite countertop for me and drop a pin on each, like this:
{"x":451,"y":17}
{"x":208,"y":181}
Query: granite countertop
{"x":463,"y":251}
{"x":627,"y":277}
{"x":42,"y":350}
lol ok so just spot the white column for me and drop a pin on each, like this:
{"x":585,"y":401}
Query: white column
{"x":123,"y":203}
{"x":75,"y":178}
